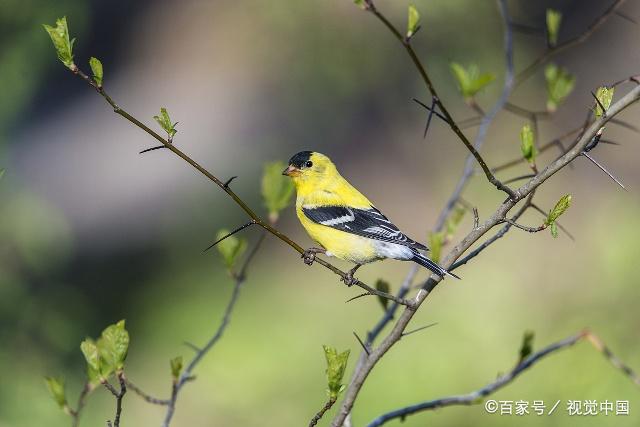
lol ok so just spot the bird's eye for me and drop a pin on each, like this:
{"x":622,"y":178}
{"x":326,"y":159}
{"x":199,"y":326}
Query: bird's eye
{"x":308,"y":163}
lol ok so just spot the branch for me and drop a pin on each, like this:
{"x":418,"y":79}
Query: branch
{"x":118,"y":394}
{"x":476,"y":397}
{"x":406,"y":43}
{"x":225,"y":187}
{"x":75,"y":413}
{"x":546,"y":56}
{"x":524,"y":191}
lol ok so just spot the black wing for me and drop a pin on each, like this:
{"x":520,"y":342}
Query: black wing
{"x":369,"y":223}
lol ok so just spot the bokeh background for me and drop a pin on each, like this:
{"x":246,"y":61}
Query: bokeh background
{"x":92,"y":232}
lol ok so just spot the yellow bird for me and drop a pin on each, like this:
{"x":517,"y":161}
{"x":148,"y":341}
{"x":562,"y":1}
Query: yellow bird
{"x":344,"y":222}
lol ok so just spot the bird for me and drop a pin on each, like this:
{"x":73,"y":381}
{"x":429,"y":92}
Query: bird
{"x":344,"y":222}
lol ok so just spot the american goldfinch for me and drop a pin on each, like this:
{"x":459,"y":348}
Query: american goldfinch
{"x":343,"y":221}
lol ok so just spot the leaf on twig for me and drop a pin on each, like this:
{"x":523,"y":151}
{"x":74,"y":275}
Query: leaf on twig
{"x":114,"y":345}
{"x":1,"y":173}
{"x":165,"y":122}
{"x":527,"y":345}
{"x":527,"y":146}
{"x":176,"y":367}
{"x":413,"y":21}
{"x":604,"y":95}
{"x":230,"y":248}
{"x":470,"y":80}
{"x":276,"y":189}
{"x":555,"y":213}
{"x":56,"y":389}
{"x":336,"y":365}
{"x":554,"y":18}
{"x":383,"y":286}
{"x":91,"y":354}
{"x":96,"y":69}
{"x":560,"y":208}
{"x":60,"y":39}
{"x":560,"y":84}
{"x":106,"y":355}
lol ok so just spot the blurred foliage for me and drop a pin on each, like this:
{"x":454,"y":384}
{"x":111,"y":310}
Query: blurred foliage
{"x":470,"y":80}
{"x":231,"y":248}
{"x":560,"y":84}
{"x":554,"y":18}
{"x":277,"y":190}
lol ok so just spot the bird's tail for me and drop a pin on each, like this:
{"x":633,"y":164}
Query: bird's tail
{"x":426,"y":262}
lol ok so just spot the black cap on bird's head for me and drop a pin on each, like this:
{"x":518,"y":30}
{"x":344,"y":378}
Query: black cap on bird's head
{"x":297,"y":162}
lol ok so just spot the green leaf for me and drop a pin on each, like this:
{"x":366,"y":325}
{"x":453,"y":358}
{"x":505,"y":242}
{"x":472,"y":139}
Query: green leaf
{"x":360,"y":3}
{"x":176,"y":367}
{"x":605,"y":96}
{"x":1,"y":173}
{"x":527,"y":345}
{"x":230,"y":248}
{"x":436,"y":241}
{"x":383,"y":286}
{"x":413,"y":21}
{"x":96,"y":69}
{"x":554,"y":229}
{"x":60,"y":38}
{"x":56,"y":388}
{"x":470,"y":80}
{"x":91,"y":354}
{"x":560,"y":208}
{"x":336,"y":366}
{"x":527,"y":146}
{"x":276,"y":189}
{"x":113,"y":346}
{"x":165,"y":122}
{"x":560,"y":84}
{"x":554,"y":18}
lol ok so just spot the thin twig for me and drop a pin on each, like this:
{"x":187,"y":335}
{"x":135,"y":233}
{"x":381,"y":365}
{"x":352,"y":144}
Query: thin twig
{"x":547,"y":55}
{"x":186,"y":374}
{"x":82,"y":399}
{"x":476,"y":397}
{"x":427,"y":80}
{"x":524,"y":227}
{"x":147,"y":397}
{"x":487,"y":119}
{"x":320,"y":413}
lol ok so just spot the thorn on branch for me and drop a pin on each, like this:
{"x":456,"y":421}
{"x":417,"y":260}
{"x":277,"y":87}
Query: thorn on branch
{"x":227,"y":182}
{"x":603,"y":169}
{"x":432,"y":110}
{"x":364,"y":346}
{"x":152,"y":149}
{"x":404,"y":334}
{"x":192,"y":346}
{"x":625,"y":17}
{"x":242,"y":227}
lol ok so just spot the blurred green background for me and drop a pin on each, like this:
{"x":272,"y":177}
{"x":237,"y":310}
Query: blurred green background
{"x":91,"y":232}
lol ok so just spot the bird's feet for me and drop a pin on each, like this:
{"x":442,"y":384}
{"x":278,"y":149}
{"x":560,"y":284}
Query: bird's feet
{"x":309,"y":256}
{"x":348,"y":278}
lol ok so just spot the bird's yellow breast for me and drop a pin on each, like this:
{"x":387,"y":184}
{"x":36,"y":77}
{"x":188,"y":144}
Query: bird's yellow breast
{"x":343,"y":245}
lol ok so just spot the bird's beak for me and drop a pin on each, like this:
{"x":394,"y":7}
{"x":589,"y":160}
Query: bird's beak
{"x":291,"y":171}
